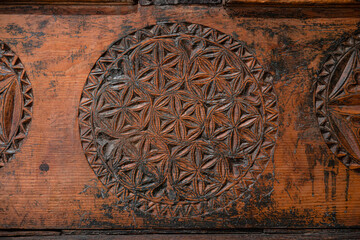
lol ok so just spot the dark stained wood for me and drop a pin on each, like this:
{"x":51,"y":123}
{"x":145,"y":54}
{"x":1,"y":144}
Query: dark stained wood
{"x":67,"y":2}
{"x":293,"y":12}
{"x":38,"y":234}
{"x":233,"y":10}
{"x":282,"y":3}
{"x":256,"y":236}
{"x":153,"y":234}
{"x":174,"y":2}
{"x":337,"y":102}
{"x":176,"y":118}
{"x":48,"y":9}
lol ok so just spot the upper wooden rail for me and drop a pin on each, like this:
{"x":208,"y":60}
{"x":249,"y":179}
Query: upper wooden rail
{"x":281,"y":3}
{"x":295,"y":2}
{"x":68,"y":2}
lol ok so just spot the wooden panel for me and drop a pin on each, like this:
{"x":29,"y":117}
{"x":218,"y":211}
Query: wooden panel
{"x":16,"y":103}
{"x":295,"y":2}
{"x":109,"y":235}
{"x":174,"y":2}
{"x":71,"y":2}
{"x":165,"y":2}
{"x":184,"y":117}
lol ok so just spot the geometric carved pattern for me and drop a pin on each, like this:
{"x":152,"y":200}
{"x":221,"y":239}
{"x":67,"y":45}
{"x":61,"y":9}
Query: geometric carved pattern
{"x":337,"y":101}
{"x":178,"y":120}
{"x":16,"y":100}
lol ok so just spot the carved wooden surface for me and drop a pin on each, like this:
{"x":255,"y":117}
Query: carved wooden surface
{"x":337,"y":101}
{"x":16,"y":101}
{"x":295,"y":2}
{"x":281,"y":3}
{"x":174,"y":2}
{"x":186,"y":117}
{"x":178,"y":119}
{"x":68,"y":2}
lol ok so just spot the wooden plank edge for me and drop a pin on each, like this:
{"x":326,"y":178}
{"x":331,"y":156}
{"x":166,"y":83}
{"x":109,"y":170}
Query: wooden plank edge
{"x":227,"y":236}
{"x":294,"y":3}
{"x":69,"y":2}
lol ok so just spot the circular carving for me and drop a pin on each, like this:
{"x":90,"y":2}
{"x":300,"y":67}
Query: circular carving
{"x":15,"y":103}
{"x":337,"y":101}
{"x":178,"y":119}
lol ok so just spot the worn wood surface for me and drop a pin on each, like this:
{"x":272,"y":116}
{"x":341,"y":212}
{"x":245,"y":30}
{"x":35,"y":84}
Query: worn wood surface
{"x":49,"y":184}
{"x":281,"y":3}
{"x":175,"y":2}
{"x":295,"y":2}
{"x":67,"y":2}
{"x":201,"y":237}
{"x":250,"y":234}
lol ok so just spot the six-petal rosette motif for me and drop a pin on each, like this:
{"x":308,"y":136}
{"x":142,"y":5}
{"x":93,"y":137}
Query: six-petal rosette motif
{"x":178,"y":119}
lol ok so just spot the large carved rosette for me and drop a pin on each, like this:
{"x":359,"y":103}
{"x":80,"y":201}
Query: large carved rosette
{"x":178,"y":119}
{"x":15,"y":103}
{"x":337,"y":101}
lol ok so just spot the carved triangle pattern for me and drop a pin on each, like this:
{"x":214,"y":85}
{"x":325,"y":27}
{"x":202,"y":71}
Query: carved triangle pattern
{"x":16,"y":100}
{"x":337,"y":101}
{"x":178,"y":120}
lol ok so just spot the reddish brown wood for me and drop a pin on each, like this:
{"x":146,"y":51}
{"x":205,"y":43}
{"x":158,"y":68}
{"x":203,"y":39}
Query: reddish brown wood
{"x":81,"y":65}
{"x":16,"y":101}
{"x":67,"y":2}
{"x":281,"y":3}
{"x":257,"y":236}
{"x":337,"y":101}
{"x":178,"y":120}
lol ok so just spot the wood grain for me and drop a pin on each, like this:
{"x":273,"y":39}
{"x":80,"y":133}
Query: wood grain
{"x":256,"y":236}
{"x":282,"y":3}
{"x":184,"y":139}
{"x":15,"y":104}
{"x":50,"y":185}
{"x":68,"y":2}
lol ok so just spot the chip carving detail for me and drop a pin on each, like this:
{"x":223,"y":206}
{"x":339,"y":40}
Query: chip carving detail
{"x":16,"y":99}
{"x":178,"y":120}
{"x":337,"y":101}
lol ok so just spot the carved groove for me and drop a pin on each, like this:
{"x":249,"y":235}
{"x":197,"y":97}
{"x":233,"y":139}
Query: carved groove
{"x":15,"y":103}
{"x":337,"y":101}
{"x":178,"y":120}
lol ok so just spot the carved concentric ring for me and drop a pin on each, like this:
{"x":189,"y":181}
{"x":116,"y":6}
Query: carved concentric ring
{"x":337,"y":101}
{"x":15,"y":103}
{"x":178,"y":119}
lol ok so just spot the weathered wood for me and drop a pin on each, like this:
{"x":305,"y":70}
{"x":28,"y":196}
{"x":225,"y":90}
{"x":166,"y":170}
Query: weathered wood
{"x":282,"y":3}
{"x":255,"y":236}
{"x":39,"y":234}
{"x":171,"y":234}
{"x":68,"y":2}
{"x":175,"y":2}
{"x":226,"y":106}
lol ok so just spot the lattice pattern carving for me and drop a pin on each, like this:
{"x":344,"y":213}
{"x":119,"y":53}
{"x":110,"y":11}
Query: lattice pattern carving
{"x":178,"y":120}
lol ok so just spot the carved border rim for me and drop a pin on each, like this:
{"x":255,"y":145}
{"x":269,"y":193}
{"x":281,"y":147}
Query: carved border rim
{"x":323,"y":79}
{"x":110,"y":55}
{"x":27,"y":96}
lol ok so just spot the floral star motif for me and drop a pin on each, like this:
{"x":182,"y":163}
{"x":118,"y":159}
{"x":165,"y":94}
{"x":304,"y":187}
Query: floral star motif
{"x":344,"y":106}
{"x":177,"y":119}
{"x":159,"y":66}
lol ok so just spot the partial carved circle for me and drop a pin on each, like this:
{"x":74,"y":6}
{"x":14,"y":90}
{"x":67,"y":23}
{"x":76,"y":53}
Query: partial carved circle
{"x":15,"y":103}
{"x":337,"y":101}
{"x":178,"y":119}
